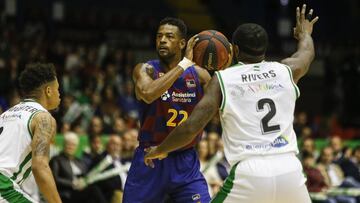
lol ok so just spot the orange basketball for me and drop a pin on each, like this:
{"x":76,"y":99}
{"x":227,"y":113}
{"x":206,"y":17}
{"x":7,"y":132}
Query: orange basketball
{"x":212,"y":50}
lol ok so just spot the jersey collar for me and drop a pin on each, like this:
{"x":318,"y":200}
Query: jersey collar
{"x":241,"y":63}
{"x":29,"y":100}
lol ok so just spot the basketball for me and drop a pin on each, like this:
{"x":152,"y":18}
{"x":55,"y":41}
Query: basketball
{"x":212,"y":50}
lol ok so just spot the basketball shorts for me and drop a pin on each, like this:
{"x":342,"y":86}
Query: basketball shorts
{"x":11,"y":192}
{"x":177,"y":176}
{"x":265,"y":179}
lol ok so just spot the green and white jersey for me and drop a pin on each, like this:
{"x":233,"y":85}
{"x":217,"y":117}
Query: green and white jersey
{"x":257,"y":108}
{"x":15,"y":139}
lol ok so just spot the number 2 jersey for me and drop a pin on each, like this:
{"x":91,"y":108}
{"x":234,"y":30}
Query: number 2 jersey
{"x":257,"y":109}
{"x":175,"y":105}
{"x":15,"y":140}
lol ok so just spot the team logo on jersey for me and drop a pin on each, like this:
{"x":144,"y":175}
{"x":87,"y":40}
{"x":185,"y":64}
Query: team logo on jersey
{"x":196,"y":197}
{"x":190,"y":83}
{"x":165,"y":96}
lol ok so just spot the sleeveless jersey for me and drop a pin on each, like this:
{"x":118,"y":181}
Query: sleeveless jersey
{"x":160,"y":117}
{"x":257,"y":110}
{"x":15,"y":140}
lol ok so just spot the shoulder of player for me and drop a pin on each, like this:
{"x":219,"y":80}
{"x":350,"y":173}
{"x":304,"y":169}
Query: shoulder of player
{"x":203,"y":74}
{"x":43,"y":118}
{"x":281,"y":64}
{"x":143,"y":67}
{"x":138,"y":68}
{"x":270,"y":64}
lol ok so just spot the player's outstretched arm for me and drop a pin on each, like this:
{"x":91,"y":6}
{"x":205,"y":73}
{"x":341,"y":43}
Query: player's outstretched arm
{"x":147,"y":89}
{"x":187,"y":131}
{"x":300,"y":61}
{"x":43,"y":127}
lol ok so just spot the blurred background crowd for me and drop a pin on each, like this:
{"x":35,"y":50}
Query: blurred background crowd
{"x":95,"y":45}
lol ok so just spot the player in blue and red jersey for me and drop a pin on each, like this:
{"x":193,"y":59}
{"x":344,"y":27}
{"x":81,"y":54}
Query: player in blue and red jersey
{"x":169,"y":89}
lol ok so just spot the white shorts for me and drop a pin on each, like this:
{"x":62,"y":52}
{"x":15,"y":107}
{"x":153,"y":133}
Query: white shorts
{"x":265,"y":179}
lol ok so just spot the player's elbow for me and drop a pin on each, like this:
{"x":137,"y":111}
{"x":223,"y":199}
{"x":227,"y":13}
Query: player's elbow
{"x":38,"y":165}
{"x":147,"y":96}
{"x":191,"y":131}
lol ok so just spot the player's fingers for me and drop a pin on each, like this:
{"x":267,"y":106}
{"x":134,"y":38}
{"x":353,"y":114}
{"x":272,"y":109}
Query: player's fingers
{"x":297,"y":15}
{"x":149,"y":162}
{"x":315,"y":20}
{"x":147,"y":149}
{"x":302,"y":15}
{"x":295,"y":34}
{"x":195,"y":36}
{"x":163,"y":157}
{"x":311,"y":11}
{"x":231,"y":51}
{"x":309,"y":15}
{"x":193,"y":41}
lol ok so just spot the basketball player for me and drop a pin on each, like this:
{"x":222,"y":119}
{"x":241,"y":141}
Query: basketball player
{"x":26,"y":131}
{"x":168,"y":89}
{"x":256,"y":99}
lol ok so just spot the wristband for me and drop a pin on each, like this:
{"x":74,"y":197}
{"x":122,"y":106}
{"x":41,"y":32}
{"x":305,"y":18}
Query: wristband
{"x":185,"y":63}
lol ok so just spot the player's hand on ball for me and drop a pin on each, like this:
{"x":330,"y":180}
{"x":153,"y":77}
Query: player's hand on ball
{"x":189,"y":47}
{"x":304,"y":22}
{"x":153,"y":153}
{"x":230,"y":57}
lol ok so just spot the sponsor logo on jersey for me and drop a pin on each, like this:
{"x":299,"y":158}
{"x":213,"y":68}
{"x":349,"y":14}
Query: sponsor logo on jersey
{"x":196,"y":197}
{"x":7,"y":117}
{"x":165,"y":96}
{"x":237,"y":90}
{"x":183,"y":97}
{"x":277,"y":143}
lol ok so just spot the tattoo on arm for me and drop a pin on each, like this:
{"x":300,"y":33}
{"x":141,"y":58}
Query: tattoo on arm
{"x":44,"y":130}
{"x":149,"y":71}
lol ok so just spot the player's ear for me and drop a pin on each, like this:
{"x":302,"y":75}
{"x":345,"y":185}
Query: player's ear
{"x":182,"y":44}
{"x":48,"y":90}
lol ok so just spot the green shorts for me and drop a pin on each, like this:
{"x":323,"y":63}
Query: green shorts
{"x":11,"y":192}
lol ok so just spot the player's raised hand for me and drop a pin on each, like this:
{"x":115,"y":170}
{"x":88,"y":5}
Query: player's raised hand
{"x":189,"y":47}
{"x":153,"y":153}
{"x":304,"y":22}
